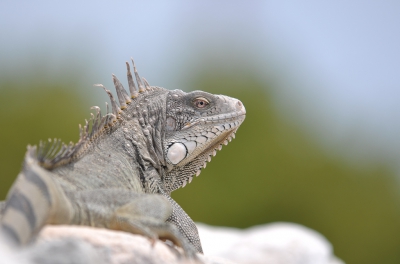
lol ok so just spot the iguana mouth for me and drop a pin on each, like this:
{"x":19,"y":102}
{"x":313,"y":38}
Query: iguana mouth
{"x":216,"y":119}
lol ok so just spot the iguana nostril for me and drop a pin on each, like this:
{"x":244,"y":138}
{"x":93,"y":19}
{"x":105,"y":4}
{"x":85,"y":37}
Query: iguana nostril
{"x":239,"y":106}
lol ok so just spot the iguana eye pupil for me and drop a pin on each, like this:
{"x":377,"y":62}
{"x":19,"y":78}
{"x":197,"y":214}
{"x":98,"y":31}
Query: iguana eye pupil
{"x":200,"y":102}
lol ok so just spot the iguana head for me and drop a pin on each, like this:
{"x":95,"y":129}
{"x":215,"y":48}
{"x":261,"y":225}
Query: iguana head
{"x":197,"y":125}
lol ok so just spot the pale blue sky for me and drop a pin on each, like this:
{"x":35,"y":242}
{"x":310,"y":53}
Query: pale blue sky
{"x":337,"y":63}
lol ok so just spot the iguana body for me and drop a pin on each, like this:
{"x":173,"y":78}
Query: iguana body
{"x":121,"y":172}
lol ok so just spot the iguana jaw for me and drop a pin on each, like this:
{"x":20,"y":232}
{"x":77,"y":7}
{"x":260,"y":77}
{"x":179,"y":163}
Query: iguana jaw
{"x":180,"y":175}
{"x":207,"y":142}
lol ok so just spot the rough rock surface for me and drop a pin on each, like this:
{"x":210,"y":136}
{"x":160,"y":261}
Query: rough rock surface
{"x":276,"y":243}
{"x":282,"y":243}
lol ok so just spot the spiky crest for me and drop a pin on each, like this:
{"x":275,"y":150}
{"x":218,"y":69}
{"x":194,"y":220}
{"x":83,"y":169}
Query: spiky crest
{"x":53,"y":153}
{"x":131,"y":83}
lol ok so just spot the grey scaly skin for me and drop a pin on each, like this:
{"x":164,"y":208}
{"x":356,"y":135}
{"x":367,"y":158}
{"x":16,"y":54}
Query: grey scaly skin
{"x":125,"y":165}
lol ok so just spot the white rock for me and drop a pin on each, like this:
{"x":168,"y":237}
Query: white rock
{"x":87,"y":245}
{"x":8,"y":255}
{"x":283,"y":243}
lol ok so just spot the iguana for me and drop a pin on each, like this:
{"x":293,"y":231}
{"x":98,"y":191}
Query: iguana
{"x":120,"y":173}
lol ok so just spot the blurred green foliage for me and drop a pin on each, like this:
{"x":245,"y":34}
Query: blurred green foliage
{"x":271,"y":172}
{"x":34,"y":111}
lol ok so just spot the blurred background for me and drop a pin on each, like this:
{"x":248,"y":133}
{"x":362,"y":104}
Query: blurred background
{"x":320,"y":81}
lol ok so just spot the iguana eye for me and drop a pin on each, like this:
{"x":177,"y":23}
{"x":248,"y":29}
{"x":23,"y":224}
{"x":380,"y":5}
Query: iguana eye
{"x":200,"y":102}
